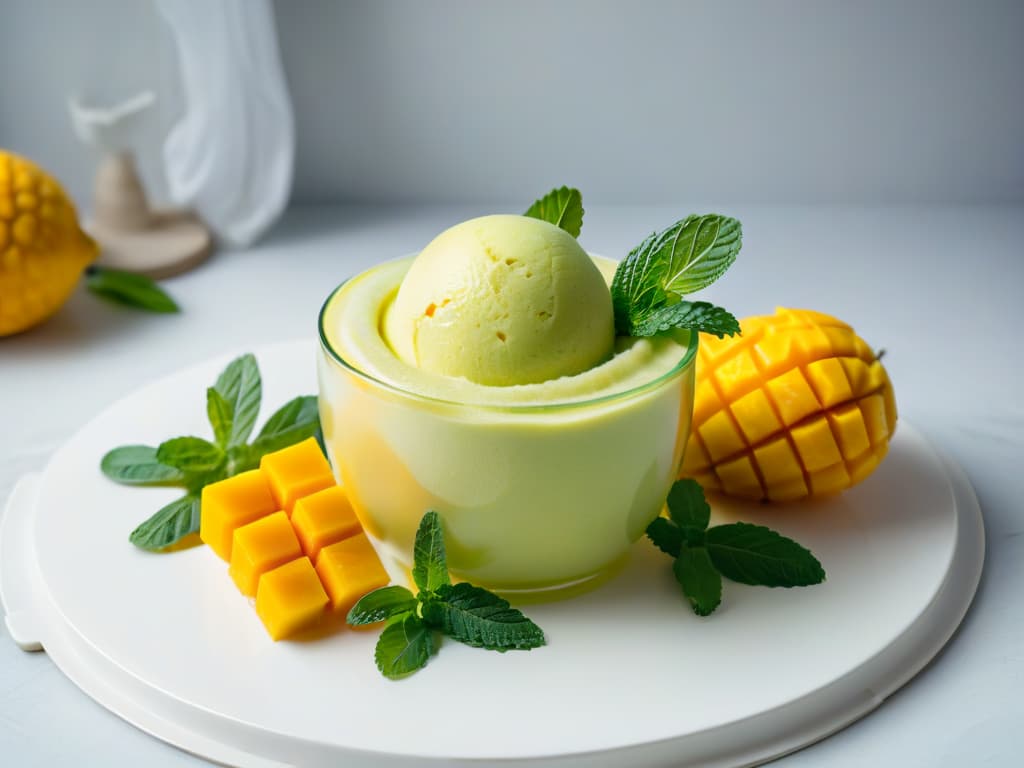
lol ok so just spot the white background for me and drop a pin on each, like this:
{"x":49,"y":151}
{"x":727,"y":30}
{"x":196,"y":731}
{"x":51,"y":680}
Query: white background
{"x":718,"y":102}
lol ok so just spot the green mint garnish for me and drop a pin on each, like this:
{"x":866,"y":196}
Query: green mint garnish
{"x":469,"y":614}
{"x":476,"y":617}
{"x":293,"y":422}
{"x":232,"y":405}
{"x":138,"y":465}
{"x":562,"y":207}
{"x":650,"y":283}
{"x":753,"y":554}
{"x":689,"y":510}
{"x":382,"y":604}
{"x":221,"y":414}
{"x":241,"y":386}
{"x":430,"y":563}
{"x":404,"y":646}
{"x":701,"y":583}
{"x":192,"y":455}
{"x":129,"y":289}
{"x":749,"y":554}
{"x":175,"y":521}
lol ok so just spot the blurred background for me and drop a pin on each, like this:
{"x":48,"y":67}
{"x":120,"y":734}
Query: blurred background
{"x":793,"y":101}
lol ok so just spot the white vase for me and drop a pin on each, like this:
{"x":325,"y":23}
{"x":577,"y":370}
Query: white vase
{"x":231,"y":155}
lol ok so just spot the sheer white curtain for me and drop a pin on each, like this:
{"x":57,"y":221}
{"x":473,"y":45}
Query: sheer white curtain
{"x":231,"y":155}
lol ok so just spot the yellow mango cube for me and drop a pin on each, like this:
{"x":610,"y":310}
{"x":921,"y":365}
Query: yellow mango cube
{"x":231,"y":503}
{"x":259,"y":547}
{"x":349,"y":569}
{"x":755,"y":415}
{"x":829,"y":381}
{"x":296,"y":471}
{"x":721,"y":437}
{"x":816,"y":444}
{"x":739,"y":478}
{"x":290,"y":598}
{"x":793,"y":396}
{"x":323,"y":518}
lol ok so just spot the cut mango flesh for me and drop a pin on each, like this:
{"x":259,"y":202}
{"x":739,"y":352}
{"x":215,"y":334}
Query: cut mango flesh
{"x":290,"y":598}
{"x":797,"y":406}
{"x":323,"y":518}
{"x":296,"y":471}
{"x":230,"y":504}
{"x":259,"y":547}
{"x":349,"y":569}
{"x":244,"y":520}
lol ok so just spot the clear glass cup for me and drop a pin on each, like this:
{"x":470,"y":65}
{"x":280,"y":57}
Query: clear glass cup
{"x":533,"y":497}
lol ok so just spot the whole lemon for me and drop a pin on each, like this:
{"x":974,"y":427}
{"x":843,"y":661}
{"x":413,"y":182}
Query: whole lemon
{"x":42,"y":249}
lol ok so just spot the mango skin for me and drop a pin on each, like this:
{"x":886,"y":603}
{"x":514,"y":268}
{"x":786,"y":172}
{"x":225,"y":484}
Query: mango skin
{"x":797,"y":407}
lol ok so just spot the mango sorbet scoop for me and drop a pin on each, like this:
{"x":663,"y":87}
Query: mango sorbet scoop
{"x":502,"y":300}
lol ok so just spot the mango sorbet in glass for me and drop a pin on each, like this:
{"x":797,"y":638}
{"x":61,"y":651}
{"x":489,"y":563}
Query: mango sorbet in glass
{"x":483,"y":379}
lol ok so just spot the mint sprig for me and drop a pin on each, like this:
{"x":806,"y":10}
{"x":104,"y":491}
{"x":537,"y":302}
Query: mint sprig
{"x":562,"y":207}
{"x":129,"y":289}
{"x":749,"y":554}
{"x":650,"y":283}
{"x":232,"y":405}
{"x":464,"y":612}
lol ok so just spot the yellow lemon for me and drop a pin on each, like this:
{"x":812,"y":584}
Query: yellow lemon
{"x":797,"y":406}
{"x":42,"y":249}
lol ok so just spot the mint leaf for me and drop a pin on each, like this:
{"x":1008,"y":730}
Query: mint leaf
{"x":138,"y":465}
{"x":404,"y":647}
{"x":241,"y":386}
{"x":689,"y":509}
{"x":562,"y":207}
{"x":753,"y":554}
{"x":688,"y":256}
{"x":697,"y":315}
{"x":701,"y":583}
{"x":292,"y":423}
{"x":477,"y":617}
{"x":129,"y":289}
{"x":430,"y":565}
{"x":381,"y":604}
{"x":221,"y":414}
{"x":666,"y":536}
{"x":190,"y":454}
{"x":172,"y":523}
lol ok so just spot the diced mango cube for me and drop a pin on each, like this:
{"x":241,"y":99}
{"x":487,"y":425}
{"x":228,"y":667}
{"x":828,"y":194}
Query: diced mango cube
{"x":848,"y":427}
{"x":777,"y":460}
{"x":739,"y":478}
{"x":756,"y":416}
{"x":830,"y":479}
{"x":259,"y":547}
{"x":736,"y":375}
{"x":323,"y":518}
{"x":721,"y":436}
{"x":296,"y":471}
{"x":349,"y":569}
{"x":873,"y":409}
{"x":705,"y":402}
{"x":231,"y":503}
{"x":789,"y":490}
{"x":290,"y":598}
{"x":793,"y":396}
{"x":829,"y":381}
{"x":816,"y":444}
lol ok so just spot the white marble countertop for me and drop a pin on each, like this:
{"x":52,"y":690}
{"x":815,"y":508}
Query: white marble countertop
{"x":937,"y":287}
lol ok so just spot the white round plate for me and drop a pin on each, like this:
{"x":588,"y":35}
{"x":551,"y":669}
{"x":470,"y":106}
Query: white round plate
{"x":629,"y":674}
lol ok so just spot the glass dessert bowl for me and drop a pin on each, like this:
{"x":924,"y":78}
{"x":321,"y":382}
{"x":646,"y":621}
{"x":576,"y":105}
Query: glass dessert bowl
{"x":542,"y":487}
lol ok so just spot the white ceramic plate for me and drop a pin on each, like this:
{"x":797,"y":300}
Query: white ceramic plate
{"x":629,"y":675}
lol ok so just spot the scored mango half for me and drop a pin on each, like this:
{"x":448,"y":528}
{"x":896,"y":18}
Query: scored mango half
{"x":797,"y":406}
